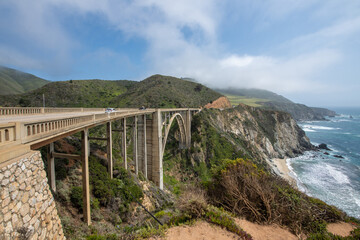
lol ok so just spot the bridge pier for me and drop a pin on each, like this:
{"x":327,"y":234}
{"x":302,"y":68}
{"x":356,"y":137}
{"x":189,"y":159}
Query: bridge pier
{"x":85,"y":175}
{"x":123,"y":143}
{"x":135,"y":145}
{"x":156,"y":149}
{"x":51,"y":167}
{"x":142,"y":148}
{"x":109,"y":148}
{"x":188,"y":128}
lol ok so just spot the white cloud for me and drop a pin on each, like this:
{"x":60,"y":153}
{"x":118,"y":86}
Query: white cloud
{"x":9,"y":56}
{"x":280,"y":75}
{"x":183,"y":38}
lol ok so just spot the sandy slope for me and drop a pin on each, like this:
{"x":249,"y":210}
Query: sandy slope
{"x":265,"y":232}
{"x":200,"y":230}
{"x":203,"y":230}
{"x":342,"y":229}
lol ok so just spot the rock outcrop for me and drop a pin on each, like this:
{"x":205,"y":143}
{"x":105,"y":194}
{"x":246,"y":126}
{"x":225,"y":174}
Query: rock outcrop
{"x":220,"y":103}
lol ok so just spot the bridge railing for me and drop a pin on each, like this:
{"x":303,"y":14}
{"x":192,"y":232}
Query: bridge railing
{"x":4,"y":111}
{"x":19,"y":111}
{"x":7,"y":133}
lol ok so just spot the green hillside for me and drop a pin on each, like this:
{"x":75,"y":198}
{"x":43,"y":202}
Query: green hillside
{"x":253,"y":102}
{"x":155,"y":91}
{"x":262,"y":95}
{"x":269,"y":100}
{"x":73,"y":93}
{"x":165,"y":91}
{"x":14,"y":82}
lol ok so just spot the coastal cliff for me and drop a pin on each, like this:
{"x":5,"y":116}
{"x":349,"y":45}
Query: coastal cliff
{"x":253,"y":132}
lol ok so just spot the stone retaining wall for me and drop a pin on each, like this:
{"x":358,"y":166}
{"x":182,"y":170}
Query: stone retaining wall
{"x":27,"y":207}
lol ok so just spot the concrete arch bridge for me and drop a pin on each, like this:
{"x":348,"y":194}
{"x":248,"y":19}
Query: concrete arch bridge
{"x":25,"y":129}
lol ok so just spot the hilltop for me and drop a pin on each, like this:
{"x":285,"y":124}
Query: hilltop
{"x":165,"y":91}
{"x":14,"y":81}
{"x":269,"y":100}
{"x":155,"y":91}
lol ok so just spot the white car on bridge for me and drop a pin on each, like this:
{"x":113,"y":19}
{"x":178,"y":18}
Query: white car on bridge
{"x":110,"y":110}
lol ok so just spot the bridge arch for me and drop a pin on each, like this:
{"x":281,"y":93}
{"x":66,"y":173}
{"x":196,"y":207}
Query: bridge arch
{"x":181,"y":123}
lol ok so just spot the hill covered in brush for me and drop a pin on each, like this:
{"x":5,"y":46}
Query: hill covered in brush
{"x":155,"y":91}
{"x":166,"y":91}
{"x":14,"y":81}
{"x":269,"y":100}
{"x":73,"y":93}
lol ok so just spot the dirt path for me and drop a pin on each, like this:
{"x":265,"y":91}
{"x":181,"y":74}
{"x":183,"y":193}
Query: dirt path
{"x":263,"y":232}
{"x":342,"y":229}
{"x":199,"y":231}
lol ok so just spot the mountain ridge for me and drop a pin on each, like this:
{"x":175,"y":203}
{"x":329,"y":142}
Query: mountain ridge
{"x":13,"y":81}
{"x":272,"y":101}
{"x":156,"y":91}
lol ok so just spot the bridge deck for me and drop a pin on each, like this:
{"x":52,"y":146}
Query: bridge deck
{"x":40,"y":126}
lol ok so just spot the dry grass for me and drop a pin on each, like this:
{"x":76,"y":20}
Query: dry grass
{"x":192,"y":202}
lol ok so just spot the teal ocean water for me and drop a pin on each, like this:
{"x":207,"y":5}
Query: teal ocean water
{"x":334,"y":180}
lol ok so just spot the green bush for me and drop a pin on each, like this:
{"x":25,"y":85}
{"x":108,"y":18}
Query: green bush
{"x":106,"y":189}
{"x":76,"y":198}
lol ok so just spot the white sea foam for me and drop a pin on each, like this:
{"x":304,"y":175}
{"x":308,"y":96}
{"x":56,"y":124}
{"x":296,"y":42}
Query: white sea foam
{"x":316,"y":127}
{"x":308,"y":130}
{"x":292,"y":173}
{"x":338,"y":175}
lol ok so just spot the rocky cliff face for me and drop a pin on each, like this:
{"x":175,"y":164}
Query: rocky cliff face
{"x":256,"y":133}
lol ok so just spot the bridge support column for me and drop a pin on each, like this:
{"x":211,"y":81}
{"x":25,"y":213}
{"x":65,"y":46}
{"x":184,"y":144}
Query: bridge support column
{"x":188,"y":129}
{"x":142,"y":149}
{"x":123,"y":143}
{"x":51,"y":167}
{"x":156,"y":150}
{"x":109,"y":148}
{"x":85,"y":175}
{"x":135,"y":145}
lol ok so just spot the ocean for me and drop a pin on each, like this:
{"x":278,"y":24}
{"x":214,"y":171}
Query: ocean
{"x":334,"y":180}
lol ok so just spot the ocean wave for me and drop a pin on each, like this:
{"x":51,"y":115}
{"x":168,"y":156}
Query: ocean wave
{"x":316,"y":127}
{"x":343,"y":120}
{"x":338,"y":175}
{"x":308,"y":130}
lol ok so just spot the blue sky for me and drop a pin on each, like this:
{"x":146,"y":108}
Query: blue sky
{"x":306,"y":50}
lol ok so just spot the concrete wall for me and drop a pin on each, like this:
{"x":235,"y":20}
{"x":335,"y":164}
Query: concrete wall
{"x":27,"y":207}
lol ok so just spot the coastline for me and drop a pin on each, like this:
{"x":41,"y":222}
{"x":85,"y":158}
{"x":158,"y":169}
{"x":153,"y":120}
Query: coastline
{"x":281,"y":169}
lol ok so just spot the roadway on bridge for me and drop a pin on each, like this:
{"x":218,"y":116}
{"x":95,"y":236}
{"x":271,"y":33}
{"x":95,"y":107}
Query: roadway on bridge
{"x":46,"y":116}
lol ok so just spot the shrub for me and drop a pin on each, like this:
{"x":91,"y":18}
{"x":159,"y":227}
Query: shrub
{"x":192,"y":202}
{"x":76,"y":198}
{"x":223,"y":219}
{"x":243,"y":188}
{"x":106,"y":189}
